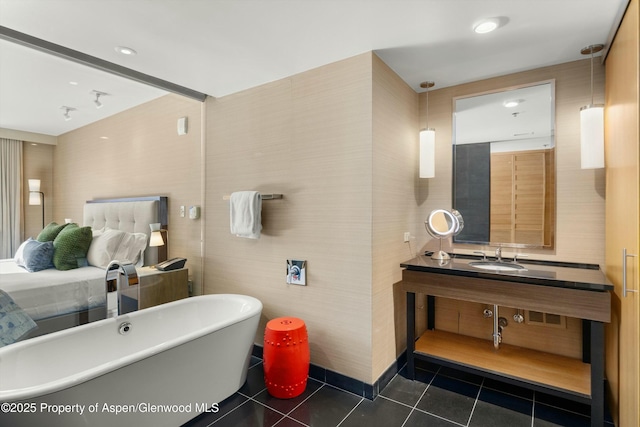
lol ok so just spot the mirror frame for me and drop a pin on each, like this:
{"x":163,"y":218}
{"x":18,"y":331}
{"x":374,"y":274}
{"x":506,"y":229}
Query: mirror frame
{"x":457,"y":223}
{"x":552,"y":83}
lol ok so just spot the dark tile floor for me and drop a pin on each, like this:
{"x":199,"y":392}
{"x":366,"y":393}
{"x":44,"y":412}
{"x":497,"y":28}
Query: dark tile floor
{"x":442,"y":397}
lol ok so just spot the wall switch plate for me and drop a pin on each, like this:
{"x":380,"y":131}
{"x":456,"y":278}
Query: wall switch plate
{"x":194,"y":212}
{"x":296,"y":272}
{"x":407,"y":236}
{"x":182,"y":211}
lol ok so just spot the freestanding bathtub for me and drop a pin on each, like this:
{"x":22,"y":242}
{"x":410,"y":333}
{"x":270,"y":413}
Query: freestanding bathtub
{"x":160,"y":366}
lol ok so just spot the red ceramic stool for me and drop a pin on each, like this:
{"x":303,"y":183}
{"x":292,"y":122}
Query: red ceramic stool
{"x":286,"y":357}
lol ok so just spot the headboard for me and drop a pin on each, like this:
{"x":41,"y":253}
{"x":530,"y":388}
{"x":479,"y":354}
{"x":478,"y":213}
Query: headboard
{"x":133,"y":214}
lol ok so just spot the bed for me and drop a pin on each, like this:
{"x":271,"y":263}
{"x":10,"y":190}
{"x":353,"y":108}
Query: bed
{"x":57,"y":299}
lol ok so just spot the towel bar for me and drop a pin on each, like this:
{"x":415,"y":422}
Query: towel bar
{"x":262,"y":196}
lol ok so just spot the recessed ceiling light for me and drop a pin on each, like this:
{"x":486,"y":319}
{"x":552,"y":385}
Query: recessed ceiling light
{"x":512,"y":103}
{"x":72,"y":83}
{"x":104,"y":137}
{"x":126,"y":50}
{"x":486,"y":25}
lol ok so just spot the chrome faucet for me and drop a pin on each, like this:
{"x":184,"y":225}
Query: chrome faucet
{"x":118,"y":272}
{"x":499,"y":253}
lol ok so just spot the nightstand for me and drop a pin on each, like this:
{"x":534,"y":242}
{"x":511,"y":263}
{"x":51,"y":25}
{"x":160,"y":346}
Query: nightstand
{"x":159,"y":287}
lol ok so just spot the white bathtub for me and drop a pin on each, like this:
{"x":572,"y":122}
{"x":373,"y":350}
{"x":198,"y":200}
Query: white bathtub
{"x":177,"y":360}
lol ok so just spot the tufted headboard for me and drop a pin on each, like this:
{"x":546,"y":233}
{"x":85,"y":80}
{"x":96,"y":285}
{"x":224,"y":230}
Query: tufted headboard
{"x":133,"y":215}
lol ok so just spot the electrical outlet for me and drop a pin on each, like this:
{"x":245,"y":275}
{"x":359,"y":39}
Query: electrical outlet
{"x":407,"y":236}
{"x":182,"y":211}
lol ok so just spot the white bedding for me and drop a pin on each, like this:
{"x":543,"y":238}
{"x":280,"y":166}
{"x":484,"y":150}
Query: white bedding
{"x":52,"y":292}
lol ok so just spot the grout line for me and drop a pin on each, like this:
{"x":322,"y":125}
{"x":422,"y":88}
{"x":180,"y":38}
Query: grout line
{"x":475,"y":403}
{"x":396,"y":401}
{"x":559,"y":408}
{"x":252,"y":396}
{"x":292,"y":419}
{"x":533,"y":410}
{"x":243,"y":403}
{"x":351,"y":411}
{"x":303,"y":401}
{"x":413,"y":408}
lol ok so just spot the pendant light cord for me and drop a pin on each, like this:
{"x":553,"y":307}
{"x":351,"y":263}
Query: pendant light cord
{"x":591,"y":75}
{"x":427,"y":108}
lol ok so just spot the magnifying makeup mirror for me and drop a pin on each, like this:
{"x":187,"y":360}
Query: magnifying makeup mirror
{"x":443,"y":224}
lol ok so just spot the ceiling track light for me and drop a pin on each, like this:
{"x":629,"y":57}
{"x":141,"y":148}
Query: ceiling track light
{"x":67,"y":110}
{"x":98,"y":94}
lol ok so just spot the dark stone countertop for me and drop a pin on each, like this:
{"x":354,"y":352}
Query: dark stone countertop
{"x":544,"y":273}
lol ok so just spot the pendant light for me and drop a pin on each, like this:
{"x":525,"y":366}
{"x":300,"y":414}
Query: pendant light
{"x":427,"y":143}
{"x":592,"y":125}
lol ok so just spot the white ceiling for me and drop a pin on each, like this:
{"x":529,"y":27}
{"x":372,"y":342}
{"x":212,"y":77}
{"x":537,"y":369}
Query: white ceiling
{"x":224,"y":46}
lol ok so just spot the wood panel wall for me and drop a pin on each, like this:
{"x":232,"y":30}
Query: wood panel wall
{"x":622,"y":151}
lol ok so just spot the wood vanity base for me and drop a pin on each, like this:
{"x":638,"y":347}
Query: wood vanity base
{"x":545,"y":369}
{"x":549,"y":373}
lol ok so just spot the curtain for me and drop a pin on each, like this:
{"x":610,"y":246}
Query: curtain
{"x":10,"y":196}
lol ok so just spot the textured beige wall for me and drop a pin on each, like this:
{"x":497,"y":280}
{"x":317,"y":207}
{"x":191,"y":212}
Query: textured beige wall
{"x":579,"y":193}
{"x":395,"y":153}
{"x":143,"y":156}
{"x":308,"y":137}
{"x":37,"y":163}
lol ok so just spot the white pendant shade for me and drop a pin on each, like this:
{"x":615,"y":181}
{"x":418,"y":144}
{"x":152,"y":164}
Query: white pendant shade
{"x":427,"y":153}
{"x":592,"y":137}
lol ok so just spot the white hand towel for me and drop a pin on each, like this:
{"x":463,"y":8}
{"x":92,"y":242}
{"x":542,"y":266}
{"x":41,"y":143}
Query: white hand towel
{"x":246,"y":214}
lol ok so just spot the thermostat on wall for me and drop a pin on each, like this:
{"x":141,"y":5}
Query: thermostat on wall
{"x":182,"y":126}
{"x":194,"y":212}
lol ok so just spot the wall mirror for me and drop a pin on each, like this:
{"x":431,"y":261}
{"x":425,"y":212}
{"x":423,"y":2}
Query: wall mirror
{"x":504,"y":166}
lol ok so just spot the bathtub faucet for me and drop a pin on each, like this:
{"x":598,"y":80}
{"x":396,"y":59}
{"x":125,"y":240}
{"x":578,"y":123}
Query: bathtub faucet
{"x":121,"y":283}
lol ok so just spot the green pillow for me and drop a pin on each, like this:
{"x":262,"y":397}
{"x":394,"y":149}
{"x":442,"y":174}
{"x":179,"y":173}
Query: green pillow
{"x":50,"y":232}
{"x":71,"y":247}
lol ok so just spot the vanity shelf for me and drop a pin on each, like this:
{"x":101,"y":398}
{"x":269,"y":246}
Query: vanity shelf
{"x":566,"y":291}
{"x":509,"y":362}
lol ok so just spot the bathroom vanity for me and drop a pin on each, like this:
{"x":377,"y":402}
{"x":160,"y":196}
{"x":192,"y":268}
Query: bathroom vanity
{"x":564,"y":289}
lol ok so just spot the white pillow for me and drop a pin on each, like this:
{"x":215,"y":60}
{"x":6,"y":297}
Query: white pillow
{"x":116,"y":245}
{"x":131,"y":247}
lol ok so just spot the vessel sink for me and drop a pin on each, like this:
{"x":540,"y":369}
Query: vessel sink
{"x":497,"y":266}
